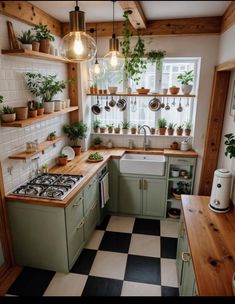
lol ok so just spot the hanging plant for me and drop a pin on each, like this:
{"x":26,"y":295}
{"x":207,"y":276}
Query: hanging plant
{"x":156,"y":57}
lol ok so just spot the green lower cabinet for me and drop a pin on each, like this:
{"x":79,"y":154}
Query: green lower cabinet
{"x":130,"y":195}
{"x":188,"y":277}
{"x":154,"y":197}
{"x":113,"y":167}
{"x":91,"y":220}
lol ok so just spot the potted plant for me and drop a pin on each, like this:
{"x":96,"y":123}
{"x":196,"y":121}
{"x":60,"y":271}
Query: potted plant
{"x":76,"y":132}
{"x":152,"y":131}
{"x":162,"y":123}
{"x":174,"y":90}
{"x":33,"y":111}
{"x":133,"y":129}
{"x":125,"y":127}
{"x":185,"y":79}
{"x":117,"y":129}
{"x":174,"y":145}
{"x":39,"y":107}
{"x":7,"y":113}
{"x":62,"y":159}
{"x":51,"y":136}
{"x":96,"y":125}
{"x":110,"y":128}
{"x":44,"y":36}
{"x":179,"y":130}
{"x":44,"y":168}
{"x":156,"y":57}
{"x":97,"y":142}
{"x":188,"y":128}
{"x":45,"y":86}
{"x":26,"y":39}
{"x":171,"y":128}
{"x":102,"y":129}
{"x":182,"y":188}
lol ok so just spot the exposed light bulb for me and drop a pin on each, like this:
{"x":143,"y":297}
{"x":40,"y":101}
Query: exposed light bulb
{"x":114,"y":59}
{"x":97,"y":69}
{"x":78,"y":45}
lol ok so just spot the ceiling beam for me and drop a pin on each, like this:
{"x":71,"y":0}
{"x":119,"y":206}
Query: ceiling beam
{"x":30,"y":14}
{"x":228,"y":18}
{"x":136,"y":17}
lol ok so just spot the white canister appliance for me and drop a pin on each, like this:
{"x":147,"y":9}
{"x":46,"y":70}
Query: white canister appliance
{"x":220,"y":194}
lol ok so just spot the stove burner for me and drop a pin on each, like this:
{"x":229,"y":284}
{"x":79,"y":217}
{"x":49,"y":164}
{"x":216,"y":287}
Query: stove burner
{"x":55,"y":192}
{"x":45,"y":179}
{"x":33,"y":190}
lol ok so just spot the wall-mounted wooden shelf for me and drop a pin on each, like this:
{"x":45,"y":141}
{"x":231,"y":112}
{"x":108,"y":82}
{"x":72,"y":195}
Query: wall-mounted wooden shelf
{"x":41,"y":147}
{"x":30,"y":121}
{"x":143,"y":95}
{"x":33,"y":54}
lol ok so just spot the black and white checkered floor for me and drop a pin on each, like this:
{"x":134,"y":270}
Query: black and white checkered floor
{"x":125,"y":256}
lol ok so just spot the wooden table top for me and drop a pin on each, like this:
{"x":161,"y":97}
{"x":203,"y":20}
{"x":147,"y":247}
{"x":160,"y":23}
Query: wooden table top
{"x":211,"y":239}
{"x":79,"y":165}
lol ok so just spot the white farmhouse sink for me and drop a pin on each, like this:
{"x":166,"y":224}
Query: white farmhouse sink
{"x":143,"y":164}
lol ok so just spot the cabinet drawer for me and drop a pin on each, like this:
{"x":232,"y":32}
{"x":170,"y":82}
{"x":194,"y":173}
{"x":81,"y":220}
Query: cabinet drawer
{"x":182,"y":161}
{"x":90,"y":194}
{"x":74,"y":212}
{"x":75,"y":242}
{"x":91,"y":220}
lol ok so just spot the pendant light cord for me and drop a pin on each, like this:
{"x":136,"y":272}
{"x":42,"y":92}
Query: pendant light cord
{"x":96,"y":61}
{"x":113,"y":35}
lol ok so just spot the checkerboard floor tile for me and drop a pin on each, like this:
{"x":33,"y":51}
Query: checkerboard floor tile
{"x":125,"y":256}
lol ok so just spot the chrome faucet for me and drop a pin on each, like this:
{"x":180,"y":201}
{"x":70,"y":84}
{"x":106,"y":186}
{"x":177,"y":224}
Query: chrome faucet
{"x":145,"y":144}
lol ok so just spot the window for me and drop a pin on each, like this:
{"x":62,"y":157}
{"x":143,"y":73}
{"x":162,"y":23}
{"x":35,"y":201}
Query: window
{"x":137,"y":111}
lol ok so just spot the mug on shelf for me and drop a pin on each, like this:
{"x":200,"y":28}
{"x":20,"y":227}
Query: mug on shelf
{"x":175,"y":172}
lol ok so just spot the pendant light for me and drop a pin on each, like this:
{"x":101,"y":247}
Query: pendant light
{"x":114,"y":60}
{"x":97,"y":69}
{"x":77,"y":45}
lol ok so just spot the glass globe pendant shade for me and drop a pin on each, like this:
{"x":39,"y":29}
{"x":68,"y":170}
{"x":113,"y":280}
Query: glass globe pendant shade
{"x":77,"y":45}
{"x":114,"y":60}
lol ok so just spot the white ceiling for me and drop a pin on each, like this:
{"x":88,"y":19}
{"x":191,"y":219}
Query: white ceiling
{"x":98,"y":11}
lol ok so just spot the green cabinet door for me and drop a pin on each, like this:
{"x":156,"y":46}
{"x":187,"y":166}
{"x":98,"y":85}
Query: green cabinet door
{"x":113,"y":184}
{"x":130,"y":192}
{"x":188,"y":277}
{"x":154,"y":197}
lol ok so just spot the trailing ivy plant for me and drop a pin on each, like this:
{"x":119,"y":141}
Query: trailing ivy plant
{"x":230,"y":143}
{"x":156,"y":57}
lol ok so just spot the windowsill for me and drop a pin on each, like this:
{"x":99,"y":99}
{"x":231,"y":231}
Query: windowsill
{"x":139,"y":135}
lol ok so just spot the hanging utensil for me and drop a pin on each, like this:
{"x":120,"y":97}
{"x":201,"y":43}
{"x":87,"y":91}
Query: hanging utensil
{"x":167,"y":107}
{"x":163,"y":104}
{"x":187,"y":104}
{"x":180,"y":108}
{"x":107,"y":108}
{"x":154,"y":104}
{"x":134,"y":108}
{"x":173,"y":103}
{"x":112,"y":102}
{"x":97,"y":109}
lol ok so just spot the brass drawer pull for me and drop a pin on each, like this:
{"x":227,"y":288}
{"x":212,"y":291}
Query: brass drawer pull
{"x":145,"y":185}
{"x":186,"y":256}
{"x":81,"y":224}
{"x":93,"y":207}
{"x":78,"y":203}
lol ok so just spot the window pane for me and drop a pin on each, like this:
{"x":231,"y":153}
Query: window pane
{"x":140,"y":113}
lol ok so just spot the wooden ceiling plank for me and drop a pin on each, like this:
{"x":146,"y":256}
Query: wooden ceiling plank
{"x":228,"y":18}
{"x":137,"y":17}
{"x":28,"y":13}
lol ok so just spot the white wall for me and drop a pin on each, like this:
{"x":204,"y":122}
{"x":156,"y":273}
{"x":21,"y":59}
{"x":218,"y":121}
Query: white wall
{"x":204,"y":47}
{"x":12,"y":87}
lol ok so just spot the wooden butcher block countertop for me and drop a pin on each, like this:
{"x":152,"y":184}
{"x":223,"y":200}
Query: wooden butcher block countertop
{"x":211,"y":239}
{"x":79,"y":165}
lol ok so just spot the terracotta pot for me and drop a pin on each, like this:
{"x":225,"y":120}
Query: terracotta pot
{"x":174,"y":90}
{"x":133,"y":130}
{"x":77,"y":150}
{"x":179,"y":132}
{"x":102,"y":130}
{"x":33,"y":113}
{"x":170,"y":131}
{"x":62,"y":160}
{"x":162,"y":131}
{"x":45,"y":46}
{"x":96,"y":130}
{"x":40,"y":111}
{"x":187,"y":132}
{"x":97,"y":146}
{"x":8,"y":117}
{"x":152,"y":131}
{"x":116,"y":130}
{"x":174,"y":146}
{"x":21,"y":113}
{"x":110,"y":130}
{"x":35,"y":46}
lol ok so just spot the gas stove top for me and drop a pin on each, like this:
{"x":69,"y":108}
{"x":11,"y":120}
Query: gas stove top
{"x":49,"y":185}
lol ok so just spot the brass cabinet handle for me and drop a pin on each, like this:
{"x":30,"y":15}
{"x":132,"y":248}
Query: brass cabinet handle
{"x":186,"y":256}
{"x":93,"y":207}
{"x":78,"y":203}
{"x":81,"y":224}
{"x":145,"y":185}
{"x":140,"y":184}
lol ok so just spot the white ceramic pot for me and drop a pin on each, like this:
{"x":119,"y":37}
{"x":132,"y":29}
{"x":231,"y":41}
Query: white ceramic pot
{"x":184,"y":146}
{"x":49,"y":107}
{"x":125,"y":131}
{"x":58,"y":105}
{"x":8,"y":117}
{"x":186,"y":89}
{"x":175,"y":173}
{"x":27,"y":47}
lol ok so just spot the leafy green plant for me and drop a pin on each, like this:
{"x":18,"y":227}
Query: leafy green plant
{"x":62,"y":155}
{"x":97,"y":141}
{"x":162,"y":123}
{"x":180,"y":127}
{"x":230,"y":143}
{"x":42,"y":32}
{"x":171,"y":126}
{"x":44,"y":86}
{"x":125,"y":124}
{"x":26,"y":37}
{"x":156,"y":57}
{"x":96,"y":123}
{"x":7,"y":110}
{"x":188,"y":125}
{"x":186,"y":77}
{"x":110,"y":125}
{"x":1,"y":99}
{"x":75,"y":131}
{"x":38,"y":105}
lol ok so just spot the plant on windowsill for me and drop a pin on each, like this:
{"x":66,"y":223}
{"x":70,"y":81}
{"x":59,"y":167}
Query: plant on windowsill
{"x":51,"y":136}
{"x":133,"y":129}
{"x":110,"y":128}
{"x":152,"y":131}
{"x":76,"y":132}
{"x":97,"y":142}
{"x":187,"y":128}
{"x":162,"y":123}
{"x":7,"y":113}
{"x":125,"y":127}
{"x":102,"y":129}
{"x":44,"y":36}
{"x":40,"y":108}
{"x":170,"y":128}
{"x":96,"y":125}
{"x":185,"y":79}
{"x":117,"y":129}
{"x":62,"y":159}
{"x":180,"y":129}
{"x":26,"y":39}
{"x":230,"y":143}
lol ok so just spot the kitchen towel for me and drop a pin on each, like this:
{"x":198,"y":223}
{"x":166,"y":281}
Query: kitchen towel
{"x":104,"y":189}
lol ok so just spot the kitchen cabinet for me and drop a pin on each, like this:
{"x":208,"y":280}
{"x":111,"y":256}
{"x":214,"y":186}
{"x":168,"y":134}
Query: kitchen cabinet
{"x":113,"y":167}
{"x":142,"y":195}
{"x":52,"y":237}
{"x":182,"y":164}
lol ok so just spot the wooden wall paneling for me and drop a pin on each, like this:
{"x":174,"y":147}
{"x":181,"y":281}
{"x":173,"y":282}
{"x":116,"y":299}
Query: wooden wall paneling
{"x":228,"y":18}
{"x":27,"y":12}
{"x":214,"y":130}
{"x":137,"y":17}
{"x":73,"y":90}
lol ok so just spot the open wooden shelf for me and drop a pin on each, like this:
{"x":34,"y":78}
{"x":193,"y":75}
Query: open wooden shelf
{"x":30,"y":121}
{"x":143,"y":95}
{"x":41,"y":147}
{"x":33,"y":54}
